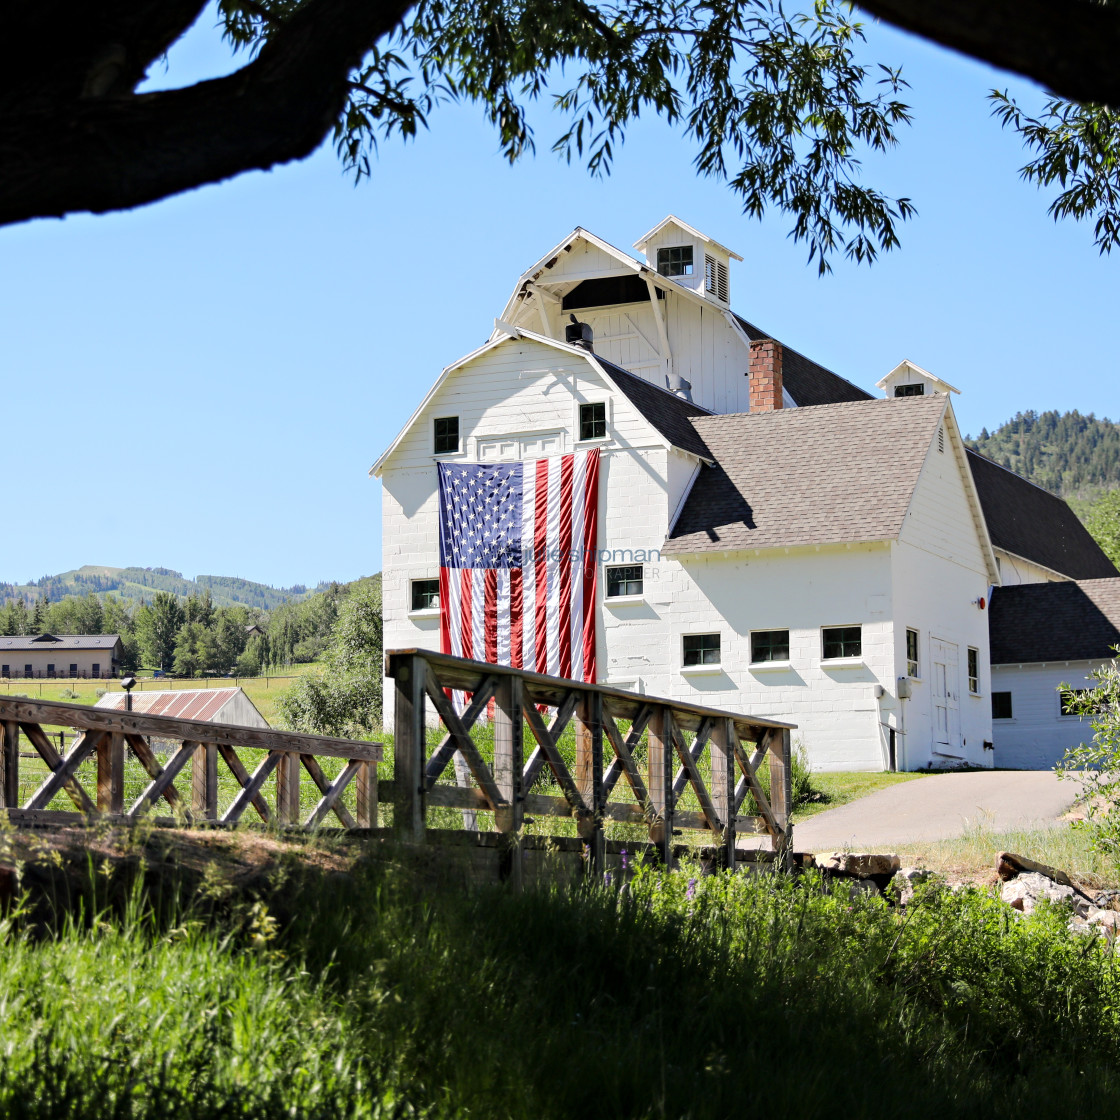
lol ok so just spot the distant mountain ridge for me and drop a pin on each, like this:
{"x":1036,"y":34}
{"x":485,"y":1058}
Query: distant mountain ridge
{"x":142,"y":583}
{"x":1068,"y":453}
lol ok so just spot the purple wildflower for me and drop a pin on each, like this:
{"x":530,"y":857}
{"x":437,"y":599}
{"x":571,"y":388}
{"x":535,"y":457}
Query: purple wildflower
{"x":625,"y":861}
{"x":606,"y":878}
{"x":691,"y":892}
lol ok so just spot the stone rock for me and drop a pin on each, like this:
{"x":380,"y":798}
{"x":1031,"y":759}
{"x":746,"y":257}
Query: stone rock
{"x":1024,"y":892}
{"x":862,"y":888}
{"x":1009,"y":865}
{"x":859,"y":865}
{"x":1106,"y":920}
{"x":905,"y":880}
{"x":1108,"y":900}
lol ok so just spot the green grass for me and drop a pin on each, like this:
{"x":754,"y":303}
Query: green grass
{"x":369,"y":994}
{"x":838,"y":787}
{"x":263,"y":691}
{"x":972,"y":856}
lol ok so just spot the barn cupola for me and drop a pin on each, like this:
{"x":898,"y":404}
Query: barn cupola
{"x":909,"y":380}
{"x":692,"y":259}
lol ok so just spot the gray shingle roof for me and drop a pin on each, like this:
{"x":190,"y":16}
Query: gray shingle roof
{"x":832,"y":474}
{"x":807,"y":382}
{"x":43,"y":643}
{"x":668,"y":413}
{"x":1031,"y":522}
{"x":1061,"y":621}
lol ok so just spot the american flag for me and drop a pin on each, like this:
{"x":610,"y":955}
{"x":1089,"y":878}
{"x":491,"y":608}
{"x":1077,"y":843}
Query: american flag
{"x":517,"y":553}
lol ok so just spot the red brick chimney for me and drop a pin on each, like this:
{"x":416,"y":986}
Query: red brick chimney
{"x":766,"y":375}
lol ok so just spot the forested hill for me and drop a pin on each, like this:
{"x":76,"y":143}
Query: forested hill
{"x":1071,"y":454}
{"x":142,"y":583}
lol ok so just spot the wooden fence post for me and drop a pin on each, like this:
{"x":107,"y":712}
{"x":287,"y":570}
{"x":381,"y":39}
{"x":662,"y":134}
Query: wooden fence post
{"x":509,"y":773}
{"x":589,"y":737}
{"x":410,"y":673}
{"x":723,"y":739}
{"x":9,"y":764}
{"x":110,"y":774}
{"x":287,"y":790}
{"x":661,"y":783}
{"x":781,"y":791}
{"x":365,"y":807}
{"x":204,"y":782}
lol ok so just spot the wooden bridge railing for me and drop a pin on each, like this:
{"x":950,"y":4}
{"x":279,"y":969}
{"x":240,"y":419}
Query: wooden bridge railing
{"x":110,"y":736}
{"x":604,"y":757}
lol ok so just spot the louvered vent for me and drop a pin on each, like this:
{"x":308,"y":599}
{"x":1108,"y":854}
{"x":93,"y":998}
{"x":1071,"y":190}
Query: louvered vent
{"x":941,"y":440}
{"x":715,"y":278}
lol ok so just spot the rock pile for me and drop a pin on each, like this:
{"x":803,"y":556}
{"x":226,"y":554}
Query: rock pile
{"x":1024,"y":883}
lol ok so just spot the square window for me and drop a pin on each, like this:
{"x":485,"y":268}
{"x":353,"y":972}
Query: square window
{"x":912,"y":653}
{"x":675,"y":260}
{"x":1001,"y":705}
{"x":1073,"y":702}
{"x":446,"y":435}
{"x":425,"y":594}
{"x":593,"y":420}
{"x":626,"y":580}
{"x":918,"y":390}
{"x":769,"y":645}
{"x":701,"y":649}
{"x":842,"y":641}
{"x":973,"y":671}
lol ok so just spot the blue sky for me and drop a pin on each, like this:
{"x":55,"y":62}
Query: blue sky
{"x":202,"y":384}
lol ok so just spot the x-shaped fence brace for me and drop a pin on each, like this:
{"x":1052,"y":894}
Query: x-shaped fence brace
{"x":109,"y":736}
{"x":517,"y":698}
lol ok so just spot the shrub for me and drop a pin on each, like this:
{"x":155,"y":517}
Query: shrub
{"x":1097,"y":764}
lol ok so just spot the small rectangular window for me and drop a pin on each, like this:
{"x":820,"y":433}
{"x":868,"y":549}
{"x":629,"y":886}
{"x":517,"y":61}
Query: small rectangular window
{"x":701,"y":649}
{"x":912,"y":665}
{"x":446,"y":435}
{"x":425,"y":594}
{"x":842,"y":641}
{"x":5,"y":671}
{"x":1001,"y":705}
{"x":50,"y":670}
{"x":73,"y":670}
{"x":769,"y":645}
{"x":625,"y":580}
{"x":593,"y":420}
{"x":27,"y":670}
{"x":1073,"y":702}
{"x":676,"y":260}
{"x":918,"y":390}
{"x":96,"y":670}
{"x":973,"y":671}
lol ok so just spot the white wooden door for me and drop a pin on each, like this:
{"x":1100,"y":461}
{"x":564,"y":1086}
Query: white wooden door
{"x":946,"y":697}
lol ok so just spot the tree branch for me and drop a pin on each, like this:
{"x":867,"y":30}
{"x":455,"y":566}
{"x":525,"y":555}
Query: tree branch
{"x":113,"y":152}
{"x":1070,"y":46}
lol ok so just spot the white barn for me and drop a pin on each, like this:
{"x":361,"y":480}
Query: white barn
{"x":1045,"y":635}
{"x":773,"y":539}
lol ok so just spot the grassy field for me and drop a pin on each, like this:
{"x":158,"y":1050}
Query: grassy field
{"x":335,"y":985}
{"x":261,"y":690}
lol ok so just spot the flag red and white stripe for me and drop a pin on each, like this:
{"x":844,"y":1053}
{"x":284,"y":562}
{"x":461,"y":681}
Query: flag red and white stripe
{"x":518,"y":552}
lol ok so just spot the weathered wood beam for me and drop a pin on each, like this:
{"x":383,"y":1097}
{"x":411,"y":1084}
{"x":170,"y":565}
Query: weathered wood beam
{"x":38,"y":739}
{"x":237,"y":768}
{"x":248,"y":795}
{"x":565,"y":709}
{"x":330,"y":797}
{"x":443,"y":754}
{"x":465,"y":745}
{"x":84,"y":717}
{"x":62,"y":775}
{"x":323,"y":784}
{"x":161,"y":783}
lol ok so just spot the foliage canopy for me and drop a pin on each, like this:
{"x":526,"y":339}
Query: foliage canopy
{"x":780,"y":105}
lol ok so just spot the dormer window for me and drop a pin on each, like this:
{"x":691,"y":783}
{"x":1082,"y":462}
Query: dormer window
{"x":676,"y":260}
{"x":715,"y":278}
{"x":917,"y":390}
{"x":446,"y":435}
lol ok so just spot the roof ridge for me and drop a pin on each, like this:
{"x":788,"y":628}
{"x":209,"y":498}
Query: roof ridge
{"x":910,"y":403}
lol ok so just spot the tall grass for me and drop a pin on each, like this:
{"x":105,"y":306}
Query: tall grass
{"x":368,"y":994}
